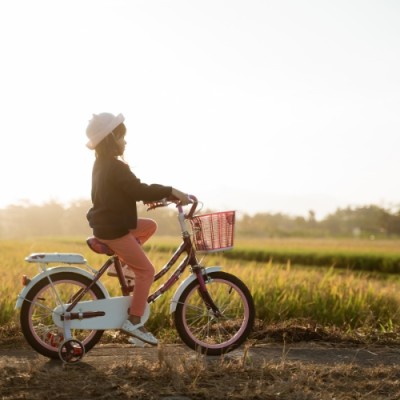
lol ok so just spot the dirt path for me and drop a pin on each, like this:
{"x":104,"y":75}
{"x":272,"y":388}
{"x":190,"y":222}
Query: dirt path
{"x":301,"y":371}
{"x":324,"y":353}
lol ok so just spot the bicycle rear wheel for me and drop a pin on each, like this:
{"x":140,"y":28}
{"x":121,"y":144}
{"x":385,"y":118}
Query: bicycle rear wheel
{"x":201,"y":329}
{"x":36,"y":318}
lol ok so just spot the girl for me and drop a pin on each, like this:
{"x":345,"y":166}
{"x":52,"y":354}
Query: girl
{"x":113,"y":215}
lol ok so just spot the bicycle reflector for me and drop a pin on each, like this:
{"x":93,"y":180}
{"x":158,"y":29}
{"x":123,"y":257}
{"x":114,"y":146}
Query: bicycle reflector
{"x":25,"y":280}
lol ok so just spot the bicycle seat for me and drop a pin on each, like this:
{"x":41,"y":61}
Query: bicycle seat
{"x":99,"y":247}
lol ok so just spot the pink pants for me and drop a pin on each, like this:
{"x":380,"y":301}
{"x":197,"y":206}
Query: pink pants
{"x":131,"y":252}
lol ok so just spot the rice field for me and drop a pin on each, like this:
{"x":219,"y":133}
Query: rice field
{"x":282,"y":291}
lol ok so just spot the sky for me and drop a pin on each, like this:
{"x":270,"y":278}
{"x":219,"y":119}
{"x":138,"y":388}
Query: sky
{"x":258,"y":106}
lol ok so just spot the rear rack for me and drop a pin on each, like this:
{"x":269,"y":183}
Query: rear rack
{"x":47,"y":258}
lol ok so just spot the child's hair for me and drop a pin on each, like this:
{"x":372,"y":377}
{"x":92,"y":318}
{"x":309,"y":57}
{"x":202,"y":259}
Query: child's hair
{"x":107,"y":147}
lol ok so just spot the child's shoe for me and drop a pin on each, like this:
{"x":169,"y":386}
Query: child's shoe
{"x":133,"y":330}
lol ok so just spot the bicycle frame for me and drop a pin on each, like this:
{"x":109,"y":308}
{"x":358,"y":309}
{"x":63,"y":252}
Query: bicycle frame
{"x":190,"y":260}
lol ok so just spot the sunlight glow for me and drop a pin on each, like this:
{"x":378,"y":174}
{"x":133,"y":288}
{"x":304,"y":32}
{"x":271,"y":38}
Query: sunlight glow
{"x":255,"y":106}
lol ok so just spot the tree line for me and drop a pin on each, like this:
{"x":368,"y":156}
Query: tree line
{"x":363,"y":221}
{"x":57,"y":219}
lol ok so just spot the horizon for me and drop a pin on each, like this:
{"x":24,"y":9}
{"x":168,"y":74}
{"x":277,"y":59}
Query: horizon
{"x":390,"y":207}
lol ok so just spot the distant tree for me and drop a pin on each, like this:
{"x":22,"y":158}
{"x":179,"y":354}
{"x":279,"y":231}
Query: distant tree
{"x":367,"y":219}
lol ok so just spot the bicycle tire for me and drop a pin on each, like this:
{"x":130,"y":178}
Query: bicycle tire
{"x":36,"y":319}
{"x":201,"y":330}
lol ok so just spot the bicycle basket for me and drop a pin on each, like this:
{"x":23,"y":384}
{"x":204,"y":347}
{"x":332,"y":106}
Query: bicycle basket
{"x":213,"y":232}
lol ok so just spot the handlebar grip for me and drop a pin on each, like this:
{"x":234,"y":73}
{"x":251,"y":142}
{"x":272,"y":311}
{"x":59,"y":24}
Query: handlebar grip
{"x":166,"y":201}
{"x":155,"y":204}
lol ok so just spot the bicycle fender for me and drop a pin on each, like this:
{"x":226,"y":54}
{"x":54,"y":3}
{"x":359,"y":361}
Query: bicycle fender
{"x":185,"y":284}
{"x":52,"y":271}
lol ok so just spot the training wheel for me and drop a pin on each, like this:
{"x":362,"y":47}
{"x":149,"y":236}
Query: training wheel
{"x":71,"y":351}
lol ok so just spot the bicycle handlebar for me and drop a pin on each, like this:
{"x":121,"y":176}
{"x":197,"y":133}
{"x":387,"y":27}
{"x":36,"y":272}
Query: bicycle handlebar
{"x":169,"y":200}
{"x":195,"y":203}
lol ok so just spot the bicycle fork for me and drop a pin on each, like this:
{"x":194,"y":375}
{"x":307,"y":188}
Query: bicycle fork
{"x":204,"y":294}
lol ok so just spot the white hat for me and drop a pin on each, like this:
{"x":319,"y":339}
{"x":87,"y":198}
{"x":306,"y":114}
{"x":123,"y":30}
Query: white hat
{"x":100,"y":126}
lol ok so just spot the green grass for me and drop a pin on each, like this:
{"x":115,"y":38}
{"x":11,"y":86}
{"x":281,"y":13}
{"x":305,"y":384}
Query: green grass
{"x":323,"y":295}
{"x":282,"y":290}
{"x":354,"y":254}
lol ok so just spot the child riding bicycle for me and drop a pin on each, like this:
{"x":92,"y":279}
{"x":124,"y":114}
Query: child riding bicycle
{"x":113,"y":215}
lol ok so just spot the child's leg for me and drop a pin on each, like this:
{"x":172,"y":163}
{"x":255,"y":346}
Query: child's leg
{"x":146,"y":228}
{"x":130,"y":251}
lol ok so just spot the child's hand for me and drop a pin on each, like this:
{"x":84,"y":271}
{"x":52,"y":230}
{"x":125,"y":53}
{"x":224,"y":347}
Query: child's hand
{"x":182,"y":197}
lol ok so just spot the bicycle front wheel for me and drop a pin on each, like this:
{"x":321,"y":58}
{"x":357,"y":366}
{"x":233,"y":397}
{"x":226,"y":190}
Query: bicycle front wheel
{"x":36,"y":316}
{"x":201,"y":329}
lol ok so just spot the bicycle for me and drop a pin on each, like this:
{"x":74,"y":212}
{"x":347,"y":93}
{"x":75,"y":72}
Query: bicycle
{"x":65,"y":309}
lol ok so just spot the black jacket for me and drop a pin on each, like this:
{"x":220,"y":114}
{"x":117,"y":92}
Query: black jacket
{"x":115,"y":191}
